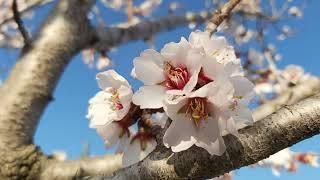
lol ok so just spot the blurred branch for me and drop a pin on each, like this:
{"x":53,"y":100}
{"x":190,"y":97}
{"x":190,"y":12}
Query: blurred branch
{"x":290,"y":96}
{"x":31,"y":5}
{"x":220,"y":15}
{"x":18,"y":20}
{"x":113,"y":36}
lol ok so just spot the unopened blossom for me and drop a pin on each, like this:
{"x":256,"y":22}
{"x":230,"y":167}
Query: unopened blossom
{"x":172,"y":71}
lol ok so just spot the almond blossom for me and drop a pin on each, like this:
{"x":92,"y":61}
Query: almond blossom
{"x":202,"y":103}
{"x":109,"y":113}
{"x":172,"y":71}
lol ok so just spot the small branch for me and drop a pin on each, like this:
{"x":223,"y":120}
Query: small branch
{"x":220,"y":15}
{"x":18,"y":20}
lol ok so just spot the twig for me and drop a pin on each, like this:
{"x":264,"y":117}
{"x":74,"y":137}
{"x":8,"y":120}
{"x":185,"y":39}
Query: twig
{"x":220,"y":15}
{"x":18,"y":20}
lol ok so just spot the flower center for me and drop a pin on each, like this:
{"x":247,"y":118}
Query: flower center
{"x":115,"y":99}
{"x":176,"y":77}
{"x":197,"y":109}
{"x":203,"y":79}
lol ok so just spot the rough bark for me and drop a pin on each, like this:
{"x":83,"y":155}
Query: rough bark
{"x":28,"y":90}
{"x":289,"y":125}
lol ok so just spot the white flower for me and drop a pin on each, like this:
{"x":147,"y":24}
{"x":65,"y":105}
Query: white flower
{"x":249,"y":6}
{"x":255,"y":57}
{"x":113,"y":102}
{"x":173,"y":71}
{"x":193,"y":124}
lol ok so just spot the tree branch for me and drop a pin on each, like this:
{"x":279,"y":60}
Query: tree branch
{"x":290,"y":96}
{"x":19,"y":22}
{"x":289,"y":125}
{"x":74,"y":169}
{"x":113,"y":36}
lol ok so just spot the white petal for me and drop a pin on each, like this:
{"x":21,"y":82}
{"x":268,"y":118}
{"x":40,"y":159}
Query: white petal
{"x":149,"y":67}
{"x":111,"y":78}
{"x":123,"y":143}
{"x":134,"y":154}
{"x":179,"y":135}
{"x":149,"y":97}
{"x":125,"y":96}
{"x":242,"y":86}
{"x":176,"y":53}
{"x":243,"y":115}
{"x":172,"y":106}
{"x":100,"y":110}
{"x":110,"y":133}
{"x":212,"y":69}
{"x":214,"y":148}
{"x":208,"y":130}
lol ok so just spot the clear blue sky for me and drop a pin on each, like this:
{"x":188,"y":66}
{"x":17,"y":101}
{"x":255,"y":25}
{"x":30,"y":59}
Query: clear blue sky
{"x":64,"y":126}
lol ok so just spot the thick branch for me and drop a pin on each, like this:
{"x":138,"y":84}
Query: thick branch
{"x":29,"y":87}
{"x":289,"y":125}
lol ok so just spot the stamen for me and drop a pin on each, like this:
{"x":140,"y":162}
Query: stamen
{"x":115,"y":99}
{"x":176,"y":77}
{"x":197,"y":109}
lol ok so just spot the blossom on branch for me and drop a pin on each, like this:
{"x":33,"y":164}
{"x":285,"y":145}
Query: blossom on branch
{"x":201,"y":86}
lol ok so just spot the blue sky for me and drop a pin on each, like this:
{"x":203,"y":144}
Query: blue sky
{"x":63,"y":126}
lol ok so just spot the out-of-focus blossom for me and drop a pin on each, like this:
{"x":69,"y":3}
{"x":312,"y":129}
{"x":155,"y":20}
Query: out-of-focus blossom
{"x":59,"y":155}
{"x":295,"y":11}
{"x":243,"y":35}
{"x":103,"y":62}
{"x":292,"y":73}
{"x":255,"y":57}
{"x":249,"y":6}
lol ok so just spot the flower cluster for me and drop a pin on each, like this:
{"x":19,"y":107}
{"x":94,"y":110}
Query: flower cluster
{"x":199,"y":84}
